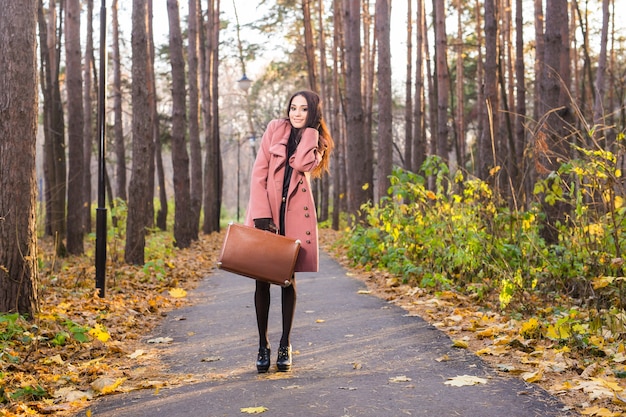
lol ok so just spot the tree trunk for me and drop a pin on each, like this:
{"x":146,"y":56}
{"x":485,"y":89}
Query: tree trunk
{"x":443,"y":79}
{"x":89,"y":131}
{"x":75,"y":118}
{"x":600,"y":85}
{"x":325,"y":94}
{"x":118,"y":121}
{"x":338,"y":160}
{"x":156,"y":166}
{"x":487,"y":141}
{"x":552,"y":147}
{"x":309,"y":46}
{"x":522,"y":187}
{"x":460,"y":96}
{"x":180,"y":157}
{"x":213,"y":161}
{"x":139,"y":192}
{"x":194,"y":118}
{"x":408,"y":91}
{"x":18,"y":182}
{"x":539,"y":55}
{"x":385,"y":137}
{"x":419,"y":147}
{"x":54,"y":128}
{"x":359,"y":169}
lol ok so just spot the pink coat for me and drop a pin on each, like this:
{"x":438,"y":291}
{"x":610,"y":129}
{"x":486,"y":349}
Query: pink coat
{"x":266,"y":187}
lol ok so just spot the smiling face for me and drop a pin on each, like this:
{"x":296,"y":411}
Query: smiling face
{"x":298,"y":112}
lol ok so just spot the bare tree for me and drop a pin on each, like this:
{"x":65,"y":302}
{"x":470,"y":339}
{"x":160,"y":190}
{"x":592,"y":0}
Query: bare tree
{"x":75,"y":117}
{"x":18,"y":182}
{"x":143,"y":146}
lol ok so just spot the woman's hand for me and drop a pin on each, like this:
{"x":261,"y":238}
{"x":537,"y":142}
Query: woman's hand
{"x":265,"y":223}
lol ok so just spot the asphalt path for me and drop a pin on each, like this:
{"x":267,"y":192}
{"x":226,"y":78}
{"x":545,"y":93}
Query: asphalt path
{"x":354,"y":355}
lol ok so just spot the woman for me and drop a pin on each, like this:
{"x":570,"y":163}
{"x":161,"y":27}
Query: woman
{"x":293,"y":149}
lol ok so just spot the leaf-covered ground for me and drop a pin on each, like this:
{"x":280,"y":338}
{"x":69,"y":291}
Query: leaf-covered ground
{"x":81,"y":346}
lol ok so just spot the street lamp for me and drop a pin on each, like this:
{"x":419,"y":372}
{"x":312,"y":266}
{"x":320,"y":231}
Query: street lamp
{"x":244,"y":83}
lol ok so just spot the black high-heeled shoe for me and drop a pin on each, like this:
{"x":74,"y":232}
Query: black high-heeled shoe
{"x":283,"y":362}
{"x":263,"y":360}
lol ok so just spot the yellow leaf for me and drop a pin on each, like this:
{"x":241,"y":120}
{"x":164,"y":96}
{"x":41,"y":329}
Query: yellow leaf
{"x":100,"y":333}
{"x":254,"y":410}
{"x":320,"y":321}
{"x":532,"y":376}
{"x":612,"y":385}
{"x":460,"y":344}
{"x":105,"y":385}
{"x":88,"y":413}
{"x":599,"y":412}
{"x":565,"y":386}
{"x":178,"y":293}
{"x":530,"y":328}
{"x":366,"y":186}
{"x":601,"y":282}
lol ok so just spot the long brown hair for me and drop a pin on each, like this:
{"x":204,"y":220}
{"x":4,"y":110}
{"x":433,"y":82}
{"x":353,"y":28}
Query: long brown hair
{"x":315,"y":120}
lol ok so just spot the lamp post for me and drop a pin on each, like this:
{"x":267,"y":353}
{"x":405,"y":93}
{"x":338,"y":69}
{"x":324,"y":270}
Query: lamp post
{"x":101,"y":211}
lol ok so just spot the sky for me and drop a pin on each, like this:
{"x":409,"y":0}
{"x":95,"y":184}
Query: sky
{"x":248,"y":13}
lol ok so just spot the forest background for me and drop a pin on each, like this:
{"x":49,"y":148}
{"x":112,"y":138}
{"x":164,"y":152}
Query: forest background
{"x":482,"y":154}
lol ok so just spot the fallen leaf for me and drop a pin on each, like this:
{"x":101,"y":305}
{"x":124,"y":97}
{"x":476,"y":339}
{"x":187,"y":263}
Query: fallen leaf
{"x":460,"y":344}
{"x":254,"y":410}
{"x":465,"y":380}
{"x":105,"y":385}
{"x":177,"y":293}
{"x":401,"y":378}
{"x":364,"y":292}
{"x":136,"y":354}
{"x":211,"y":359}
{"x":599,"y":412}
{"x":158,"y":340}
{"x":532,"y":376}
{"x":100,"y":333}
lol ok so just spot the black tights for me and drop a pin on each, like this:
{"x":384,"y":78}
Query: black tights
{"x":262,"y":306}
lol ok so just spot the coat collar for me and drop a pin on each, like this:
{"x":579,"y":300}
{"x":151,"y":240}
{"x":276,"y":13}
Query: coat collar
{"x":280,"y":138}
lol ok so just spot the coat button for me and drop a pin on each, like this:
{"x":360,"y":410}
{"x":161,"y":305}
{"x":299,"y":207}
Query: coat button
{"x":306,"y":207}
{"x":306,"y":215}
{"x":308,"y":232}
{"x":304,"y":190}
{"x":308,"y":241}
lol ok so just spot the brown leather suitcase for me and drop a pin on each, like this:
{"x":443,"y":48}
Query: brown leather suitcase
{"x":259,"y":254}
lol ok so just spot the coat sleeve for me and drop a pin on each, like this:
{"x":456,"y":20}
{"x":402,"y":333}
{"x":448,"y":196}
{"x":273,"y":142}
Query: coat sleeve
{"x":259,"y":205}
{"x":306,"y":157}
